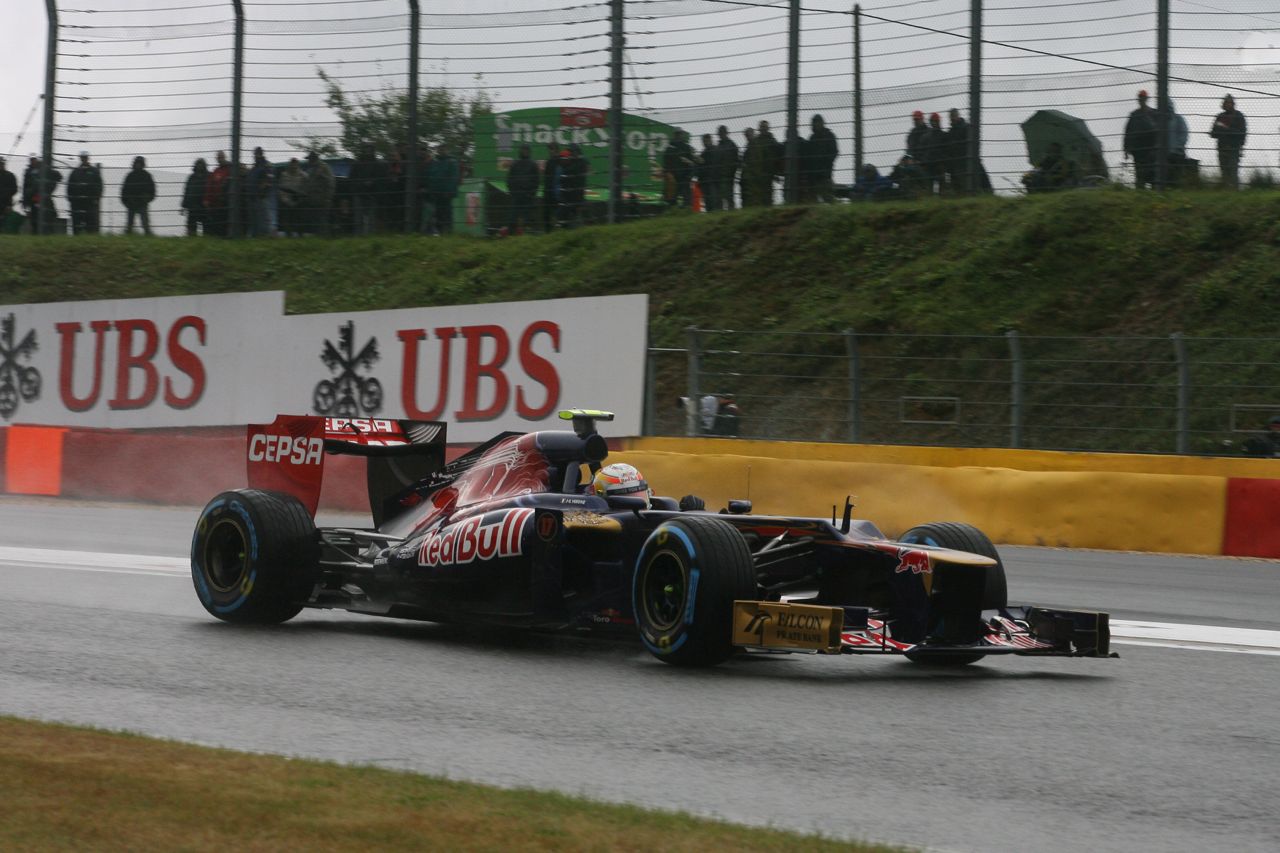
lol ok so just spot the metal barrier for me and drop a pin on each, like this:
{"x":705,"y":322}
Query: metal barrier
{"x":1133,"y":394}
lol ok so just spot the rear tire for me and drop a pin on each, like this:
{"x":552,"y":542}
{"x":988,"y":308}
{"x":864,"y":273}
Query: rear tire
{"x":689,"y":573}
{"x":254,"y":556}
{"x":995,"y":593}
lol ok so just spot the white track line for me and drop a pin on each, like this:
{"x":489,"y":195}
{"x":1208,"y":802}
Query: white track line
{"x":1162,"y":634}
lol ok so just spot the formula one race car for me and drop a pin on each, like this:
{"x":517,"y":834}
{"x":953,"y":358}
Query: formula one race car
{"x":512,"y":533}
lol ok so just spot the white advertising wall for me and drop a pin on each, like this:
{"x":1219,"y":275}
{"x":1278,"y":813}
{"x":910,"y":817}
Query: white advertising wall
{"x":237,"y":358}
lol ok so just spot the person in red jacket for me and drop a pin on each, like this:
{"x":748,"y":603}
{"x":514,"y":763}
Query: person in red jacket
{"x":215,"y":197}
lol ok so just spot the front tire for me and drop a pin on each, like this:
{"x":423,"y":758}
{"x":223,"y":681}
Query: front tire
{"x":995,"y":592}
{"x":254,"y":556}
{"x":689,"y":573}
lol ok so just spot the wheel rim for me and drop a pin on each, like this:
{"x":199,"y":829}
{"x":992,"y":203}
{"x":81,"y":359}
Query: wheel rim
{"x":225,"y":555}
{"x":663,"y":591}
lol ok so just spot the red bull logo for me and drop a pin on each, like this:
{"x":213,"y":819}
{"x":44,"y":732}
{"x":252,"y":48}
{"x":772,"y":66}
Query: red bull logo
{"x":916,"y":562}
{"x":474,"y":539}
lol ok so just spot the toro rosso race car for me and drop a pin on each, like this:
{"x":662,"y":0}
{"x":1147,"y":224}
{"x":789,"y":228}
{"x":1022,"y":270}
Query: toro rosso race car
{"x":512,"y":533}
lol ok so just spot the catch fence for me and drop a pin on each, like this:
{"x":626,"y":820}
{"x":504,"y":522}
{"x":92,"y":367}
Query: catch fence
{"x":1173,"y":394}
{"x":177,"y":80}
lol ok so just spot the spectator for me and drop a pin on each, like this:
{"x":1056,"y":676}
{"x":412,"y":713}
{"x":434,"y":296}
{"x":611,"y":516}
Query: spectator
{"x":916,"y":137}
{"x":37,"y":197}
{"x":522,"y":186}
{"x":8,"y":189}
{"x":292,"y":198}
{"x":573,"y":185}
{"x":319,"y":195}
{"x":1054,"y":172}
{"x":1140,"y":143}
{"x":391,"y":198}
{"x":958,"y":152}
{"x":752,"y":167}
{"x":871,"y":185}
{"x":727,"y":155}
{"x":678,"y":161}
{"x":1266,"y":443}
{"x":822,"y":152}
{"x":216,"y":207}
{"x":443,"y":180}
{"x":1180,"y":168}
{"x":364,"y":182}
{"x":551,"y":188}
{"x":773,"y":160}
{"x":1230,"y":129}
{"x":136,"y":193}
{"x":909,"y":177}
{"x":803,"y":192}
{"x":258,"y":186}
{"x":84,"y":194}
{"x":193,"y":199}
{"x":728,"y":415}
{"x":708,"y":171}
{"x":934,"y":150}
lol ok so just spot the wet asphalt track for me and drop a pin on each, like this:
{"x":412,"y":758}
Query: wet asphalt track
{"x":1166,"y":749}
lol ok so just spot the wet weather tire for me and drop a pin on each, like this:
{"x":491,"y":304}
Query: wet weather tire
{"x":689,"y":573}
{"x":962,"y":537}
{"x":254,"y":556}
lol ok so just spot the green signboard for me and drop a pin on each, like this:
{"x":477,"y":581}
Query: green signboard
{"x":500,"y":135}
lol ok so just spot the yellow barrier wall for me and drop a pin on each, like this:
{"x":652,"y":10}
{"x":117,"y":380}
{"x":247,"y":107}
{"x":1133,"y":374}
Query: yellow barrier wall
{"x":984,"y":457}
{"x":1172,"y":513}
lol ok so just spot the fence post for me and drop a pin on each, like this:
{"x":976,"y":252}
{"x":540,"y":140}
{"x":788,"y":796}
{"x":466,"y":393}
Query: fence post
{"x":1184,"y":392}
{"x":648,"y":426}
{"x":42,"y":224}
{"x":857,"y":91}
{"x":237,"y":106}
{"x":1162,"y":94}
{"x":617,"y":39}
{"x":1015,"y":388}
{"x":975,"y":97}
{"x":691,"y":424}
{"x":855,"y":385}
{"x":411,"y":211}
{"x":791,"y":190}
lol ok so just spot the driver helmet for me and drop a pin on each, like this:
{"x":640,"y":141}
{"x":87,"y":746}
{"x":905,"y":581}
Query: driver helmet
{"x":621,"y":479}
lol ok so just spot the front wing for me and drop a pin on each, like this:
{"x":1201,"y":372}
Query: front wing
{"x":1020,"y":630}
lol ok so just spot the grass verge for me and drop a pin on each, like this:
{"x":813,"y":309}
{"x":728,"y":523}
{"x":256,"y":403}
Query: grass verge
{"x":69,"y":788}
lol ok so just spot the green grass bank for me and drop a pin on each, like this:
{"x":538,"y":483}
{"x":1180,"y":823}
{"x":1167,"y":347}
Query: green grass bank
{"x":1105,"y":263}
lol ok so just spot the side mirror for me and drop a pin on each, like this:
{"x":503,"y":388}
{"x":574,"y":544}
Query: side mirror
{"x":739,"y":507}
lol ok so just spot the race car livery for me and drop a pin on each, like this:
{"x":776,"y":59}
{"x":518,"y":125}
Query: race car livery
{"x":514,"y":533}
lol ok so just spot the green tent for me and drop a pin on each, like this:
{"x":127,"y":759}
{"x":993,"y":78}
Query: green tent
{"x":1078,"y":143}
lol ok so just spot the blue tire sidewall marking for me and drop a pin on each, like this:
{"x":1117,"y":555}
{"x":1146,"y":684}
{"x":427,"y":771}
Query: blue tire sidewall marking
{"x":692,"y":593}
{"x":197,"y":570}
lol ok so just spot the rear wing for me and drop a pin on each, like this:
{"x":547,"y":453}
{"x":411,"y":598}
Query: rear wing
{"x":288,"y":456}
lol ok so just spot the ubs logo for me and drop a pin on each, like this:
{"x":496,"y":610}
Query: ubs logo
{"x":18,"y":383}
{"x":348,"y":394}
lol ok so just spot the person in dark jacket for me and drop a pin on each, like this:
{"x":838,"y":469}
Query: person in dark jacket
{"x":821,"y":156}
{"x":727,"y":156}
{"x":915,"y":137}
{"x":522,"y":186}
{"x":216,"y":191}
{"x":443,"y":179}
{"x":258,"y":188}
{"x":708,"y":173}
{"x":363,"y":184}
{"x":84,"y":193}
{"x":1140,"y":143}
{"x":934,"y":154}
{"x":193,"y":199}
{"x":136,"y":193}
{"x":551,"y":188}
{"x":573,"y":186}
{"x":37,"y":196}
{"x":774,"y":156}
{"x":678,"y":161}
{"x":1230,"y":129}
{"x":8,"y":189}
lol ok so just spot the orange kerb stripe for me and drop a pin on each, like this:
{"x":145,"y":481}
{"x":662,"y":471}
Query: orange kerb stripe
{"x":33,"y":460}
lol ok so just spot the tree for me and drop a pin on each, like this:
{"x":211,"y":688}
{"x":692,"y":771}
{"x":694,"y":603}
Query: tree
{"x":383,"y":120}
